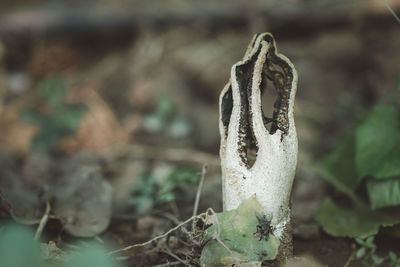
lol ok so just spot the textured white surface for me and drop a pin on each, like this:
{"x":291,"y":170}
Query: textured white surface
{"x":271,"y":176}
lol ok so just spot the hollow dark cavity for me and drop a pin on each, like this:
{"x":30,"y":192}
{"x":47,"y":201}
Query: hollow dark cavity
{"x":275,"y":92}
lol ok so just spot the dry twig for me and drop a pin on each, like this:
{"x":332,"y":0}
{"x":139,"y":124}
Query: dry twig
{"x":391,"y":10}
{"x":173,"y":255}
{"x":167,"y":264}
{"x":199,"y":189}
{"x":43,"y":222}
{"x":163,"y":235}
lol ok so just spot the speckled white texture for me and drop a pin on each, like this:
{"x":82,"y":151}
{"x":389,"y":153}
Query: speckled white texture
{"x":271,"y":176}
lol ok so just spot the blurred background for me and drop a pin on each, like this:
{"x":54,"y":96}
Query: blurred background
{"x":109,"y":109}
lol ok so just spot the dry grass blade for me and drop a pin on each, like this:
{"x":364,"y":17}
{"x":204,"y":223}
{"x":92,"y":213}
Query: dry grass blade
{"x":43,"y":221}
{"x":199,"y":189}
{"x":163,"y":235}
{"x":391,"y":10}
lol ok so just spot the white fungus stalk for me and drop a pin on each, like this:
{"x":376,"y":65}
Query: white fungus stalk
{"x":243,"y":129}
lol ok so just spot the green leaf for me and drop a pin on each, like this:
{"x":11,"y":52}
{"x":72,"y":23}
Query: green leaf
{"x":31,"y":116}
{"x":90,"y":256}
{"x":377,"y":260}
{"x":58,"y":119}
{"x":17,"y":248}
{"x":376,"y":137}
{"x":384,"y":193}
{"x":391,"y":166}
{"x":350,"y":223}
{"x":44,"y":141}
{"x":236,"y":228}
{"x":341,"y":165}
{"x":175,"y":182}
{"x":369,"y":242}
{"x":165,"y":107}
{"x":360,"y":252}
{"x":187,"y":176}
{"x":392,"y":256}
{"x":52,"y":89}
{"x":398,"y":83}
{"x":144,"y":194}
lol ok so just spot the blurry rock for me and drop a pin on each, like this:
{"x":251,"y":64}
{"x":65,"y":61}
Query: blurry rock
{"x":17,"y":82}
{"x":78,"y":194}
{"x":22,"y":196}
{"x":83,"y":201}
{"x":37,"y":168}
{"x":27,"y":207}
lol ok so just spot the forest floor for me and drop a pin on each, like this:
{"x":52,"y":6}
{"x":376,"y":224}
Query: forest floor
{"x":121,"y":168}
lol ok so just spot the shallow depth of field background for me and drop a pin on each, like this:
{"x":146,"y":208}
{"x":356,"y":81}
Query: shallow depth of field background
{"x":124,"y":94}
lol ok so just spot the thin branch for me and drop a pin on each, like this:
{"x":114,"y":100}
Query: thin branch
{"x":43,"y":222}
{"x":391,"y":10}
{"x":161,"y":236}
{"x":170,"y":253}
{"x":167,"y":264}
{"x":199,"y":189}
{"x":350,"y":259}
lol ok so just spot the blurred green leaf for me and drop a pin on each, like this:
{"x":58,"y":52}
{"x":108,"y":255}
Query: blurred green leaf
{"x":67,"y":119}
{"x":392,"y":256}
{"x":373,"y":150}
{"x":369,"y":242}
{"x":178,"y":179}
{"x":376,"y":138}
{"x":360,"y":253}
{"x":236,"y":228}
{"x":152,"y":192}
{"x":165,"y":107}
{"x":31,"y":116}
{"x":341,"y":165}
{"x":358,"y":222}
{"x":377,"y":260}
{"x":144,"y":194}
{"x":390,"y":167}
{"x":394,"y":260}
{"x":52,"y":89}
{"x":159,"y":120}
{"x":384,"y":193}
{"x":398,"y":83}
{"x":58,"y":119}
{"x":184,"y":176}
{"x":17,"y":247}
